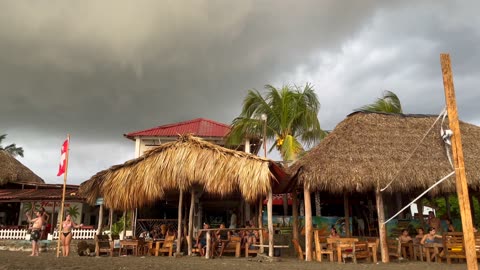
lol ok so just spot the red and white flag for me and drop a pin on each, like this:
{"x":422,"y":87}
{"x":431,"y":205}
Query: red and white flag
{"x":63,"y":160}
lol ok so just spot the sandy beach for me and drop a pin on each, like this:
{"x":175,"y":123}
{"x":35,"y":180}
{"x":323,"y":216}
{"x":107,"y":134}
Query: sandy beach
{"x":48,"y":260}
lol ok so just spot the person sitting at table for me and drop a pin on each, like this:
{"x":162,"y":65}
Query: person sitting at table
{"x":221,"y":239}
{"x":419,"y":236}
{"x":202,"y":239}
{"x":334,"y":233}
{"x":430,"y":238}
{"x":404,"y":237}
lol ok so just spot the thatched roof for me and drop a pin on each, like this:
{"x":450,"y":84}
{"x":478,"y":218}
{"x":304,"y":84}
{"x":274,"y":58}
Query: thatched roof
{"x":12,"y":171}
{"x":369,"y":148}
{"x":178,"y":166}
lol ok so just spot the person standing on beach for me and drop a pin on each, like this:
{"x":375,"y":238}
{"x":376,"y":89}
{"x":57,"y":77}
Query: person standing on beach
{"x":66,"y":235}
{"x":45,"y":217}
{"x":36,"y":228}
{"x":233,"y":220}
{"x":434,"y":222}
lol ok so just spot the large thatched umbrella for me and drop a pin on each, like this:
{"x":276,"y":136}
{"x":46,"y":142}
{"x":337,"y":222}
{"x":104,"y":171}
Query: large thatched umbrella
{"x":182,"y":165}
{"x":368,"y":150}
{"x":178,"y":166}
{"x":12,"y":171}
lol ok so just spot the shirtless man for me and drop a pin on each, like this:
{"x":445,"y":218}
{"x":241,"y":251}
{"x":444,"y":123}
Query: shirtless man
{"x":434,"y":222}
{"x":36,"y":228}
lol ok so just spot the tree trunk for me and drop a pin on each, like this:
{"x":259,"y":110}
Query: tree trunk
{"x":308,"y":225}
{"x":295,"y":214}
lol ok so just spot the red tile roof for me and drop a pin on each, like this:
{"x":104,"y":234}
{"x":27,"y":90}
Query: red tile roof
{"x":200,"y":127}
{"x":38,"y":194}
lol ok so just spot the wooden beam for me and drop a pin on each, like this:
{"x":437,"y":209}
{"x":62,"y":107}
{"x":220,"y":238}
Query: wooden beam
{"x":461,"y":179}
{"x":308,"y":224}
{"x":100,"y":219}
{"x":347,"y":214}
{"x":382,"y":231}
{"x":270,"y":223}
{"x":190,"y":222}
{"x":179,"y":231}
{"x":295,"y":214}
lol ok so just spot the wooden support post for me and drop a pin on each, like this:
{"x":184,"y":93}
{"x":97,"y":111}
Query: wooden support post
{"x":110,"y":219}
{"x":270,"y":223}
{"x":260,"y":224}
{"x":382,"y":231}
{"x":398,"y":201}
{"x":190,"y":222}
{"x":420,"y":214}
{"x":179,"y":230}
{"x":461,"y":179}
{"x":209,"y":246}
{"x":308,"y":224}
{"x":346,"y":209}
{"x":295,"y":214}
{"x":100,"y":219}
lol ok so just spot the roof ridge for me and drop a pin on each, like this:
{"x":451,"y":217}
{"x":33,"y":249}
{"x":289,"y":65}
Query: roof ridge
{"x":186,"y":122}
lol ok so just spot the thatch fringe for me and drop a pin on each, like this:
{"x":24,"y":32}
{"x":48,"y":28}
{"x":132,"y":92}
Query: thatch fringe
{"x":368,"y":149}
{"x":178,"y":166}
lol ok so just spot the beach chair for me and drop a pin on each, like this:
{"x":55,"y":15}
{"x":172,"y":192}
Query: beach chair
{"x":103,"y":245}
{"x":321,"y":247}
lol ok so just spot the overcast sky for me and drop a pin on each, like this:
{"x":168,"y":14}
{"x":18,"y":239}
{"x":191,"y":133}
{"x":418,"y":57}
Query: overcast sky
{"x":99,"y":69}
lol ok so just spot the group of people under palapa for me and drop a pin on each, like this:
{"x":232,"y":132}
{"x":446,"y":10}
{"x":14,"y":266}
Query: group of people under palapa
{"x":435,"y":231}
{"x":222,"y":237}
{"x":37,"y":229}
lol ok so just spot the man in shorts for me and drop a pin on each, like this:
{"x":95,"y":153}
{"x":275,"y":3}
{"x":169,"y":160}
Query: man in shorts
{"x":36,"y":228}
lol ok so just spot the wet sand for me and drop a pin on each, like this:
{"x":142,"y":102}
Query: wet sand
{"x":48,"y":260}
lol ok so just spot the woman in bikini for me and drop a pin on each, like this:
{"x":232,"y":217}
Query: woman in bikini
{"x":66,"y":236}
{"x":430,"y":239}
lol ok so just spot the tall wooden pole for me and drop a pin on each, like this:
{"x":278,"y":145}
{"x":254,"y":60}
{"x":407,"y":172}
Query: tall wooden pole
{"x":190,"y":222}
{"x":295,"y":214}
{"x":461,"y":179}
{"x":382,"y":231}
{"x":270,"y":223}
{"x":100,"y":219}
{"x":63,"y":196}
{"x":260,"y":224}
{"x":308,"y":224}
{"x":179,"y":231}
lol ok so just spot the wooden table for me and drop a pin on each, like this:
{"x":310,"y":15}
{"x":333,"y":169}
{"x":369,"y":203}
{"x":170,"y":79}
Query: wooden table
{"x":436,"y":247}
{"x":130,"y":243}
{"x":373,"y":247}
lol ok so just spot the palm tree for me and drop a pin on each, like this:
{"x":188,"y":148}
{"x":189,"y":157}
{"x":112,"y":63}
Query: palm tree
{"x":292,"y":117}
{"x":389,"y":103}
{"x":12,"y":149}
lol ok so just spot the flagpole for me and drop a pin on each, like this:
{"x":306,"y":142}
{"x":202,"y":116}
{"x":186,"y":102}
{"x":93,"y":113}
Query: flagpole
{"x":63,"y":195}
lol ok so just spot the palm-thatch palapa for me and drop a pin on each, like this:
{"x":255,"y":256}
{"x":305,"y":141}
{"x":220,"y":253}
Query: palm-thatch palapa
{"x":369,"y":149}
{"x":366,"y":151}
{"x":178,"y":166}
{"x":13,"y":171}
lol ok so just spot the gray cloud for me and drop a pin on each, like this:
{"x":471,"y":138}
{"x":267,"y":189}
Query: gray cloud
{"x":99,"y":69}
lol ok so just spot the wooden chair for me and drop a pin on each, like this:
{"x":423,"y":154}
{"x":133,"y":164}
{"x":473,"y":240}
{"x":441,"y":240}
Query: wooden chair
{"x":167,"y":246}
{"x":393,"y":246}
{"x":233,"y":245}
{"x":453,"y":246}
{"x":103,"y":245}
{"x":321,"y":247}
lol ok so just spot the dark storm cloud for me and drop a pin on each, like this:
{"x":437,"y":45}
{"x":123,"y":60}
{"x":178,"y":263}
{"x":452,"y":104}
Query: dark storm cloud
{"x":99,"y":69}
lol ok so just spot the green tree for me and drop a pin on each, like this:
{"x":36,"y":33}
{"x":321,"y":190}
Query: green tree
{"x":292,"y":117}
{"x":12,"y":149}
{"x":73,"y":211}
{"x":389,"y":103}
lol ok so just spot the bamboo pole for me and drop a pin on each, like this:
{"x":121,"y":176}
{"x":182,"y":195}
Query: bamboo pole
{"x":179,"y":230}
{"x":461,"y":179}
{"x":308,"y":224}
{"x":347,"y":214}
{"x":270,"y":223}
{"x":110,"y":219}
{"x":382,"y":232}
{"x":63,"y":195}
{"x":190,"y":222}
{"x":295,"y":214}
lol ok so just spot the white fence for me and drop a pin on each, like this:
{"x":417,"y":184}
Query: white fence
{"x":22,"y":234}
